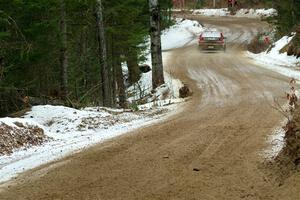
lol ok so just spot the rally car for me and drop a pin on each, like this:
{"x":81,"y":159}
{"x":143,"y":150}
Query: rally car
{"x":212,"y":41}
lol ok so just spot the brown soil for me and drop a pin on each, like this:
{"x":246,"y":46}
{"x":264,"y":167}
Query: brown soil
{"x":211,"y":149}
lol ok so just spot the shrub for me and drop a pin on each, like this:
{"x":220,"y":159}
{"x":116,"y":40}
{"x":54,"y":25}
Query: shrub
{"x":258,"y":44}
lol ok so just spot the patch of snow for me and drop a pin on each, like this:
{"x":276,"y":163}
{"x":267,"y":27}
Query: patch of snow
{"x":256,"y":13}
{"x":276,"y":141}
{"x":177,"y":10}
{"x":285,"y":65}
{"x":143,"y":87}
{"x":72,"y":130}
{"x":159,"y":103}
{"x":11,"y":121}
{"x":221,"y":12}
{"x":184,"y":32}
{"x":180,"y":34}
{"x":125,"y":72}
{"x":248,"y":13}
{"x":276,"y":61}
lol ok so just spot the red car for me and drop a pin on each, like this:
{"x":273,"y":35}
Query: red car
{"x":212,"y":41}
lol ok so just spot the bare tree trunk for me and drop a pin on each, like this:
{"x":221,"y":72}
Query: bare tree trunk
{"x":133,"y":66}
{"x":103,"y":56}
{"x":157,"y":65}
{"x":120,"y":84}
{"x":113,"y":58}
{"x":83,"y":57}
{"x":63,"y":52}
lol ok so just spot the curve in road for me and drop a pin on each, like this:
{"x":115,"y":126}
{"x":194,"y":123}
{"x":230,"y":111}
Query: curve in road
{"x":209,"y":150}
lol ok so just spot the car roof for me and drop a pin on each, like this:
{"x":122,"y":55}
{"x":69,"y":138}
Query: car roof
{"x":211,"y":34}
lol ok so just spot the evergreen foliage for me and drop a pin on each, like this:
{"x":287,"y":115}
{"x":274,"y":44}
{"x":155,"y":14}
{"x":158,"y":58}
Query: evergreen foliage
{"x":30,"y":49}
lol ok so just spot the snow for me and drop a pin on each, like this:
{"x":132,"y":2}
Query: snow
{"x":212,"y":12}
{"x":143,"y":87}
{"x":286,"y":65}
{"x":72,"y":130}
{"x":248,"y":13}
{"x":180,"y":34}
{"x":276,"y":61}
{"x":11,"y":122}
{"x":276,"y":141}
{"x":256,"y":13}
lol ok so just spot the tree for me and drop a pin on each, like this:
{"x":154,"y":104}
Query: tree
{"x":57,"y":49}
{"x":103,"y":55}
{"x":156,"y":54}
{"x":288,"y":15}
{"x":63,"y":52}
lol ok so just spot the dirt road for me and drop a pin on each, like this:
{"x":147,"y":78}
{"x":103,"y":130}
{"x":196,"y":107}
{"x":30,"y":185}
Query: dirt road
{"x":210,"y":150}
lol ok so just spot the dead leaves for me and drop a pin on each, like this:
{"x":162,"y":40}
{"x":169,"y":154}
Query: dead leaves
{"x":21,"y":135}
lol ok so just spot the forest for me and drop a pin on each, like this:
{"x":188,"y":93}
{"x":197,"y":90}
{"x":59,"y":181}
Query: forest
{"x":50,"y":50}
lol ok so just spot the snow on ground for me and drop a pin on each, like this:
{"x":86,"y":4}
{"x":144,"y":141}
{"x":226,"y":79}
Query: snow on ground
{"x":11,"y":121}
{"x":248,"y":13}
{"x":286,"y":65}
{"x":212,"y":12}
{"x":144,"y":86}
{"x":71,"y":130}
{"x":276,"y":139}
{"x":256,"y":13}
{"x":276,"y":61}
{"x":182,"y":33}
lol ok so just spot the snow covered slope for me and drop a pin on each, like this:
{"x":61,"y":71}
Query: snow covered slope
{"x":248,"y":13}
{"x":279,"y":62}
{"x":71,"y":130}
{"x":180,"y":34}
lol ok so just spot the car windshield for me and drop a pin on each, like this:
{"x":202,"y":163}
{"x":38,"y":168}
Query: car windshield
{"x":211,"y":36}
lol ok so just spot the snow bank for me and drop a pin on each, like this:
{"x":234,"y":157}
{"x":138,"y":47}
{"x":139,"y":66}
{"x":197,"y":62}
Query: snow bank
{"x":72,"y":130}
{"x":212,"y":12}
{"x":283,"y":64}
{"x":60,"y":119}
{"x":12,"y":121}
{"x":143,"y":88}
{"x":276,"y":61}
{"x":256,"y":13}
{"x":248,"y":13}
{"x":276,"y":141}
{"x":180,"y":34}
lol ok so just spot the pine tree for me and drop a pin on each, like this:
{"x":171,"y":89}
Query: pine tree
{"x":103,"y":56}
{"x":63,"y":51}
{"x":156,"y":54}
{"x":50,"y":50}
